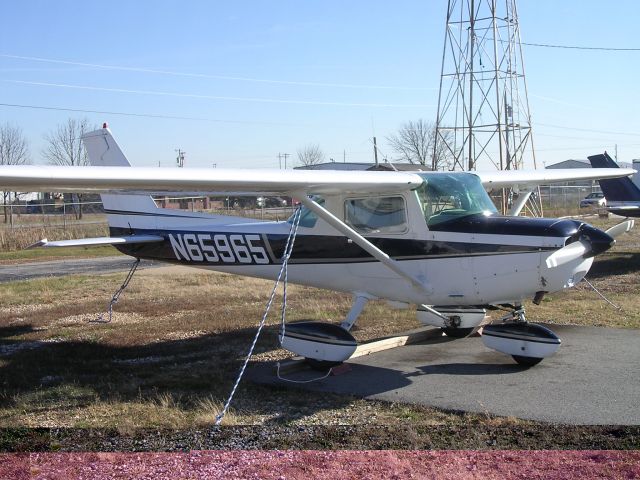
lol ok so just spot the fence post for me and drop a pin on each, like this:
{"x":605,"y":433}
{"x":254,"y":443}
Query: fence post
{"x":64,"y":215}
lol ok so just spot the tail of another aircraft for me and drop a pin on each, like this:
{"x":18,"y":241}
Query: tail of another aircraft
{"x":103,"y":151}
{"x":615,"y":189}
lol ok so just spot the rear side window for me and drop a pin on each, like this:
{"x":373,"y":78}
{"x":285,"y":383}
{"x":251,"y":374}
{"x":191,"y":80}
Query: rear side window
{"x":376,"y":214}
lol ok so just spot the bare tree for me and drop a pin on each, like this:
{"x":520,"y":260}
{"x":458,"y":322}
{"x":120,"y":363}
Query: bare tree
{"x":311,"y":154}
{"x":65,"y":147}
{"x":415,"y":141}
{"x":13,"y":151}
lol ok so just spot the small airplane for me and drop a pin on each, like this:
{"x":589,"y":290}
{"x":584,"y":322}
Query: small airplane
{"x":623,"y":196}
{"x":431,"y":239}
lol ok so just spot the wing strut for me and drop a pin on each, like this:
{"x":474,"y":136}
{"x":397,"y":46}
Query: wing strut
{"x":520,"y":202}
{"x":362,"y":242}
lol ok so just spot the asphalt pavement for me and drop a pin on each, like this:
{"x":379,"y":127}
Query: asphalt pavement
{"x":594,"y":379}
{"x":70,"y":266}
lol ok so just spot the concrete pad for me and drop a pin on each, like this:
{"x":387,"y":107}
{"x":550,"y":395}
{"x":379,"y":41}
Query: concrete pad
{"x":593,"y":379}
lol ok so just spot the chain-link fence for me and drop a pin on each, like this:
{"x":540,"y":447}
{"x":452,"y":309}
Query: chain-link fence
{"x":565,"y":197}
{"x":63,"y":215}
{"x":34,"y":214}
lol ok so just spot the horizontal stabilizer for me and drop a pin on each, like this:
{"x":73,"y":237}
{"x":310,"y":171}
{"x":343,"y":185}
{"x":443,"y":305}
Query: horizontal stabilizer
{"x":92,"y":242}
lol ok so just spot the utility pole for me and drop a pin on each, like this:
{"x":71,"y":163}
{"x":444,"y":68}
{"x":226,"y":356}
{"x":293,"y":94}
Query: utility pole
{"x":375,"y":150}
{"x":180,"y":158}
{"x":285,"y":156}
{"x":344,"y":156}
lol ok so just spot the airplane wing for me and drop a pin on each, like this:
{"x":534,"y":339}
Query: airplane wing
{"x":532,"y":178}
{"x":270,"y":182}
{"x":138,"y":179}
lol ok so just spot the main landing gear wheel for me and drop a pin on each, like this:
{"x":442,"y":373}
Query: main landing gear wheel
{"x":322,"y":365}
{"x":526,"y":361}
{"x":456,"y":332}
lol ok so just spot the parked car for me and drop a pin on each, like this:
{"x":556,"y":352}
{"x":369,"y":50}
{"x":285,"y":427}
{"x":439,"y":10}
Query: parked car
{"x":271,"y":202}
{"x":595,"y":199}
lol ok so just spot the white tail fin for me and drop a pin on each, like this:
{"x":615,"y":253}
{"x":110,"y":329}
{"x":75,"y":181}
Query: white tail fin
{"x":103,"y":151}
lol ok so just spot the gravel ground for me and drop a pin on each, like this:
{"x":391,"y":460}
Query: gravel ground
{"x":342,"y":437}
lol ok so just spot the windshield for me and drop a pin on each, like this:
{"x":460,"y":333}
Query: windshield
{"x":446,"y":196}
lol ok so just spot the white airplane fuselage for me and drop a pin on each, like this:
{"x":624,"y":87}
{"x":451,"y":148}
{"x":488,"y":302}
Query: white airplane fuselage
{"x":483,"y":260}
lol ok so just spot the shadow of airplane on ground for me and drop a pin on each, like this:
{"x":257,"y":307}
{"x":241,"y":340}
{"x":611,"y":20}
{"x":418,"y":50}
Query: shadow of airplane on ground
{"x":190,"y":371}
{"x":620,"y":264}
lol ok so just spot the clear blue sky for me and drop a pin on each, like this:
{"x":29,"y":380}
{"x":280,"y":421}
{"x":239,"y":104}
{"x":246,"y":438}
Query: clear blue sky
{"x":258,"y":77}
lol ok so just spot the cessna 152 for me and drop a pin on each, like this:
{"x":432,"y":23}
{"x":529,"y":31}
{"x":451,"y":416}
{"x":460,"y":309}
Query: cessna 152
{"x":432,"y":239}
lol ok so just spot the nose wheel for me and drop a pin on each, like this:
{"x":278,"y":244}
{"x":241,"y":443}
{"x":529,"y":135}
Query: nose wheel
{"x":527,"y":343}
{"x":526,"y":361}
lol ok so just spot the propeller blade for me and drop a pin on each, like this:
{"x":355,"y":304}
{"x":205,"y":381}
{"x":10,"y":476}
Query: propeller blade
{"x":567,"y":254}
{"x":620,"y":228}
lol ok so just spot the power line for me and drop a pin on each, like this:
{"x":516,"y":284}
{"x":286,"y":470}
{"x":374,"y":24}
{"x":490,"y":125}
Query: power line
{"x":588,"y":130}
{"x":204,"y":75}
{"x":577,"y":47}
{"x":146,"y":115}
{"x":212,"y":97}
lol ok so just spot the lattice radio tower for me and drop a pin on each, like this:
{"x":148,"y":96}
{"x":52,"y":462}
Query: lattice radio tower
{"x":483,"y":110}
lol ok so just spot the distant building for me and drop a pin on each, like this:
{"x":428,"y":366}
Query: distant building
{"x":363,"y":166}
{"x":570,"y":164}
{"x":583,"y":164}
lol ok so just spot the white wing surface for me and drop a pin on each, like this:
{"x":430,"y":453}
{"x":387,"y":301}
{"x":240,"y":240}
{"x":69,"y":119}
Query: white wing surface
{"x":532,"y":178}
{"x":126,"y":179}
{"x":278,"y":182}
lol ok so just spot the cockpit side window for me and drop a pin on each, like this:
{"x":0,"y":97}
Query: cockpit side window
{"x":376,"y":214}
{"x":445,"y":197}
{"x":308,"y":218}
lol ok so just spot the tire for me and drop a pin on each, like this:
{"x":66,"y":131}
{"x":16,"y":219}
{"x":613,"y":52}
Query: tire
{"x":526,"y":361}
{"x":321,"y":365}
{"x":455,"y":332}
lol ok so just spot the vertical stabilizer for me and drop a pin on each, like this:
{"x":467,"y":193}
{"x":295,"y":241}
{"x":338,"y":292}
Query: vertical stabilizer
{"x":103,"y":151}
{"x":615,"y":189}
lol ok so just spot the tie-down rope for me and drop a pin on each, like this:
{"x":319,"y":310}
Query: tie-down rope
{"x":283,"y":269}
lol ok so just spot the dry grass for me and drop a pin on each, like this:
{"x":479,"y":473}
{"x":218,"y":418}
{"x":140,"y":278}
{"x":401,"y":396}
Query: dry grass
{"x":168,"y":358}
{"x":21,"y":237}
